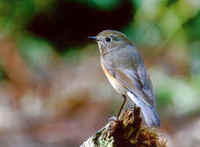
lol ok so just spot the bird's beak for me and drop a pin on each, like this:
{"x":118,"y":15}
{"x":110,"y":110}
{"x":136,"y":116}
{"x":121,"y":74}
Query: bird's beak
{"x":92,"y":37}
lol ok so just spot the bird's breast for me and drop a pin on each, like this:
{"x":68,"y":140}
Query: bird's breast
{"x":113,"y":81}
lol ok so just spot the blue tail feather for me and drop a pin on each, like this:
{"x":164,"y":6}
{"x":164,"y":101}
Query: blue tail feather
{"x":151,"y":117}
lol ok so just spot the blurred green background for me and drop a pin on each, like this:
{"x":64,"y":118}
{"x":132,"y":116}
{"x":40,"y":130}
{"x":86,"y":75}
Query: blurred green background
{"x":52,"y":89}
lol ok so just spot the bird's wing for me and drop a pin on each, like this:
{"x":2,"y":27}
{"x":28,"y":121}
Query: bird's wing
{"x":145,"y":82}
{"x":133,"y":81}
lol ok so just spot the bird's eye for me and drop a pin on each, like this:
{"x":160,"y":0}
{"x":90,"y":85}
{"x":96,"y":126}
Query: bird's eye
{"x":108,"y":39}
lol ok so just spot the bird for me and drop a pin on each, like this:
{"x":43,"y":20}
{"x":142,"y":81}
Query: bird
{"x":125,"y":70}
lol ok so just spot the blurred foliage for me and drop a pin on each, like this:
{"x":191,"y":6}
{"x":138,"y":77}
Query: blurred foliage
{"x":103,"y":4}
{"x":15,"y":14}
{"x":35,"y":50}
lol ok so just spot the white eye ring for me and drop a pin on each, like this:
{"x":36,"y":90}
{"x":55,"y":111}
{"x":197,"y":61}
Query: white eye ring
{"x":108,"y":39}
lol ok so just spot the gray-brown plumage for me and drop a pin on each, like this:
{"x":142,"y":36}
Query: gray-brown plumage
{"x":124,"y":68}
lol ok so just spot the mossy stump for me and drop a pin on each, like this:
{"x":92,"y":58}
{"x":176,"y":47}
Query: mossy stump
{"x":126,"y":132}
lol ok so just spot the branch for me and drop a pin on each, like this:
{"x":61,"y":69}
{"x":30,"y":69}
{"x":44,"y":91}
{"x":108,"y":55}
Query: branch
{"x":126,"y":132}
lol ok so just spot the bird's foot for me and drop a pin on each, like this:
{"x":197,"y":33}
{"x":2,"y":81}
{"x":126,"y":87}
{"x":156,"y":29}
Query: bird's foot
{"x":113,"y":118}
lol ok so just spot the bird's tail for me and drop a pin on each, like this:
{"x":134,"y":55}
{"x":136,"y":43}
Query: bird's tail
{"x":151,"y":117}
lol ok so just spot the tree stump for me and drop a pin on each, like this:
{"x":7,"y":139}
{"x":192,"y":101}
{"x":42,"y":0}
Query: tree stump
{"x":128,"y":131}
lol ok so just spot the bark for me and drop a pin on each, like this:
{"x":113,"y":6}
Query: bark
{"x":126,"y":132}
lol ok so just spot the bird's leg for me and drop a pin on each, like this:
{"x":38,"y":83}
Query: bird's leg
{"x":122,"y":106}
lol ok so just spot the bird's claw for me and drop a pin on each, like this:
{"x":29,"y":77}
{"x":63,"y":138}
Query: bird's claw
{"x":113,"y":118}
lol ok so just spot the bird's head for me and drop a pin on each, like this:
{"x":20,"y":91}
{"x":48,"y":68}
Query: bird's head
{"x":110,"y":40}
